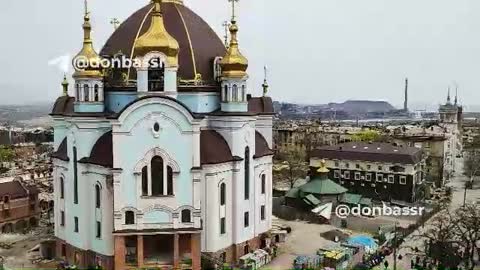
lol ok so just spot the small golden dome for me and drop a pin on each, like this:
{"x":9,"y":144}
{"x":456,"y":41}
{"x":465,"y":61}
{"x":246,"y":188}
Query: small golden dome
{"x":234,"y":64}
{"x":323,"y":167}
{"x":87,"y":55}
{"x":157,"y":38}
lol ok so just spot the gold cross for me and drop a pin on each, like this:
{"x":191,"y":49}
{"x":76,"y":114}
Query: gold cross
{"x":115,"y":22}
{"x":86,"y":7}
{"x":226,"y":25}
{"x":233,"y":8}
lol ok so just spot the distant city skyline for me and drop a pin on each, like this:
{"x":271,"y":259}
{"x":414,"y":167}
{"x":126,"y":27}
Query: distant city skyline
{"x":329,"y":51}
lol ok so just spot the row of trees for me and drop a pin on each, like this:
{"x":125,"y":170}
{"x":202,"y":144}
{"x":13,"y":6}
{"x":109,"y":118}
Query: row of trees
{"x":453,"y":238}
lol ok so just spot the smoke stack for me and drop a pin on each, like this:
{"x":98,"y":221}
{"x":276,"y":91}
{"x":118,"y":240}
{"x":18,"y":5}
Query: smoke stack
{"x":405,"y":103}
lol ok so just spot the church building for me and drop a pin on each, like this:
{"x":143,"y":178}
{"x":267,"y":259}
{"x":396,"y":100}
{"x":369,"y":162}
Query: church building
{"x":159,"y":166}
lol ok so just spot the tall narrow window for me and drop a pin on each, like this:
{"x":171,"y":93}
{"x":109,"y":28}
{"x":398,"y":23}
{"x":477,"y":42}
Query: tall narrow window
{"x":264,"y":183}
{"x":262,"y":212}
{"x":129,"y":217}
{"x":246,"y":219}
{"x":99,"y":229}
{"x":62,"y":218}
{"x":169,"y":180}
{"x":225,"y":93}
{"x":186,"y":216}
{"x":222,"y":225}
{"x":86,"y":92}
{"x":235,"y":92}
{"x":156,"y":75}
{"x":247,"y":173}
{"x":145,"y":181}
{"x":244,"y":94}
{"x":97,"y":196}
{"x":223,"y":195}
{"x":75,"y":176}
{"x":95,"y":93}
{"x":77,"y":90}
{"x":62,"y":188}
{"x":157,"y":176}
{"x":75,"y":222}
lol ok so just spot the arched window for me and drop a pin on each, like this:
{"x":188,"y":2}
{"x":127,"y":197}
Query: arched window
{"x":145,"y":181}
{"x":169,"y":180}
{"x":223,"y":195}
{"x":247,"y":173}
{"x":156,"y":74}
{"x":235,"y":92}
{"x":225,"y":93}
{"x":62,"y":188}
{"x":129,"y":217}
{"x":95,"y":93}
{"x":244,"y":93}
{"x":97,"y":196}
{"x":264,"y":183}
{"x":186,"y":216}
{"x":86,"y":93}
{"x":157,"y":176}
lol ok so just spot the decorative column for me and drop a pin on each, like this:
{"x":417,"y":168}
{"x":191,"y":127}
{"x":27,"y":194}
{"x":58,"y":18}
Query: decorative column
{"x":176,"y":252}
{"x":140,"y":251}
{"x":195,"y":250}
{"x":120,"y":252}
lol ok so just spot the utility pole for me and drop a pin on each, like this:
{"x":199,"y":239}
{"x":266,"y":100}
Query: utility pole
{"x":395,"y":247}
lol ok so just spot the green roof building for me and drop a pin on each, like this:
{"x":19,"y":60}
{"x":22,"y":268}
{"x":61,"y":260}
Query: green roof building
{"x":318,"y":190}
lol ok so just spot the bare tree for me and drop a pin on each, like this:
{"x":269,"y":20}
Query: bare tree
{"x":291,"y":166}
{"x":453,"y":237}
{"x":443,"y":248}
{"x":467,"y":230}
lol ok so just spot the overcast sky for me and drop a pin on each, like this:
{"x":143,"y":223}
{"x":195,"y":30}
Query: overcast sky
{"x":317,"y":51}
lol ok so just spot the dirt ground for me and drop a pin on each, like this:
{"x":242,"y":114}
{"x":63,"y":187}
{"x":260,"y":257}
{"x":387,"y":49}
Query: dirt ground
{"x":304,"y":239}
{"x":18,"y":255}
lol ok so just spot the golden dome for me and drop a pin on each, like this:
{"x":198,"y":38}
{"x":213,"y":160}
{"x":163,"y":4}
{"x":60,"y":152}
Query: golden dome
{"x":234,"y":64}
{"x":323,"y":167}
{"x":157,"y":38}
{"x":88,"y":53}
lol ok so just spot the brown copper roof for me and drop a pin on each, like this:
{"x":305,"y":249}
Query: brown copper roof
{"x":61,"y":152}
{"x":214,"y":149}
{"x":63,"y":105}
{"x":260,"y":105}
{"x":374,"y":152}
{"x":261,"y":146}
{"x":102,"y":152}
{"x":199,"y":44}
{"x":14,"y":189}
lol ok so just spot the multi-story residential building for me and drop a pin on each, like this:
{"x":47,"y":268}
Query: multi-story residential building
{"x":379,"y":171}
{"x":158,"y":163}
{"x":434,"y":146}
{"x":306,"y":136}
{"x":19,"y":207}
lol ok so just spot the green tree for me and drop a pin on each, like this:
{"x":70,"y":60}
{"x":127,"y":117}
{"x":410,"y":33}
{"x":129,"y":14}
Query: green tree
{"x":6,"y":154}
{"x":366,"y":136}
